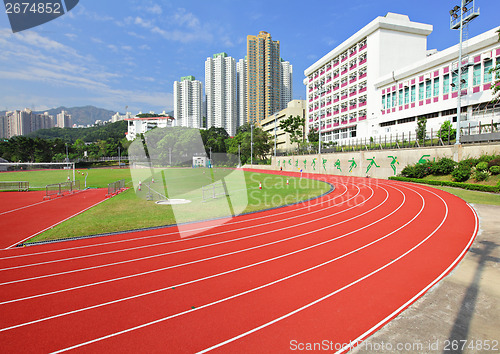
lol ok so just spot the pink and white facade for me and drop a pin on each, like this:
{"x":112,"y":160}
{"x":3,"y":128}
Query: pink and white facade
{"x":348,"y":89}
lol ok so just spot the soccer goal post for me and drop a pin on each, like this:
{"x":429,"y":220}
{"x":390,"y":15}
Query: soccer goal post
{"x":38,"y":174}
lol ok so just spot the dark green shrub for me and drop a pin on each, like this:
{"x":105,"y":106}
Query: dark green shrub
{"x":461,"y":174}
{"x":444,"y":166}
{"x":485,"y":158}
{"x":494,"y":162}
{"x":423,"y":169}
{"x":495,"y":170}
{"x":468,"y":163}
{"x":481,"y":175}
{"x":408,"y":171}
{"x":482,"y":166}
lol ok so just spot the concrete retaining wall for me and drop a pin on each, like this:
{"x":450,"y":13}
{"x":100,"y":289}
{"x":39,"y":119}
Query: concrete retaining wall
{"x":375,"y":163}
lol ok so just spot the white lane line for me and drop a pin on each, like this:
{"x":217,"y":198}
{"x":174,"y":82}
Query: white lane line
{"x":202,"y":260}
{"x":365,"y":335}
{"x":240,"y":294}
{"x":307,"y":206}
{"x":24,"y":207}
{"x":57,"y":223}
{"x":194,"y":248}
{"x":218,"y":233}
{"x":258,"y":288}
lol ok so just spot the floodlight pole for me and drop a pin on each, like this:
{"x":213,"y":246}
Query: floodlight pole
{"x":459,"y":97}
{"x":239,"y":155}
{"x":470,"y":14}
{"x":119,"y":155}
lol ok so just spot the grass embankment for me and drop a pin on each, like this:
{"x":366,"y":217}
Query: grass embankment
{"x":131,"y":209}
{"x":474,"y":192}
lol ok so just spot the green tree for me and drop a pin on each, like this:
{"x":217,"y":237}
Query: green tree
{"x":313,"y":135}
{"x":421,"y":128}
{"x":446,"y":131}
{"x":294,"y":126}
{"x":496,"y":79}
{"x":261,"y":143}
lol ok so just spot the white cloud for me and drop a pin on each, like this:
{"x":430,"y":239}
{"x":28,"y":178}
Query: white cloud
{"x":155,"y":9}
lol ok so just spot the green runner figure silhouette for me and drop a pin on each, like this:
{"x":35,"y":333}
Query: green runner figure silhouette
{"x":305,"y":164}
{"x":337,"y":165}
{"x":324,"y":164}
{"x":393,"y":163}
{"x":353,"y":164}
{"x":372,"y":163}
{"x":313,"y":164}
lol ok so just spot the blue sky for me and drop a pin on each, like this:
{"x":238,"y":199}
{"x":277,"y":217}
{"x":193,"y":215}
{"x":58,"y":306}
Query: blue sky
{"x":117,"y":53}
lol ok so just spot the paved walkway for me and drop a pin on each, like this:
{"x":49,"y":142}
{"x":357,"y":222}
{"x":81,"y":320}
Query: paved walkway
{"x":463,"y":310}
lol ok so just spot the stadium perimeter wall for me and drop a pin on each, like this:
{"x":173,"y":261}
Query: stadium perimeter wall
{"x":375,"y":163}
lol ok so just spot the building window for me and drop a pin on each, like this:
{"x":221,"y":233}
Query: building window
{"x":389,"y":100}
{"x":454,"y":81}
{"x":487,"y":74}
{"x":407,"y":95}
{"x":436,"y":87}
{"x":428,"y":88}
{"x":383,"y":101}
{"x":400,"y":97}
{"x":476,"y":75}
{"x":446,"y":84}
{"x":413,"y":93}
{"x":394,"y":99}
{"x":421,"y":91}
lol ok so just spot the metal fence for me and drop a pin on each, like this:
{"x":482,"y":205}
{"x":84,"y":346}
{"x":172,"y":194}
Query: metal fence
{"x":59,"y":189}
{"x":469,"y":134}
{"x":20,"y":186}
{"x":115,"y":187}
{"x":214,"y":191}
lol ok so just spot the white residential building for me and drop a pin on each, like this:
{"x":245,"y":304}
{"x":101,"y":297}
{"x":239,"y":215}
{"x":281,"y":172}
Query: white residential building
{"x":221,"y":93}
{"x":286,"y":83}
{"x":241,"y":70}
{"x":140,"y":124}
{"x":117,"y":117}
{"x":188,"y":102}
{"x":64,"y":120}
{"x":382,"y":78}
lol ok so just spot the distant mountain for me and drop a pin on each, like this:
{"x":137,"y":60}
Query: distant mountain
{"x":80,"y":115}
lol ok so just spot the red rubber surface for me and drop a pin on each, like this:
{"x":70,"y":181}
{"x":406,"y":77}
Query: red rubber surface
{"x":336,"y":268}
{"x":25,"y":214}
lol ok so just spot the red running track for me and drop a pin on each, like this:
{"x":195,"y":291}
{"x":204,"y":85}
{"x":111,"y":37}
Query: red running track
{"x":334,"y":269}
{"x":25,"y":214}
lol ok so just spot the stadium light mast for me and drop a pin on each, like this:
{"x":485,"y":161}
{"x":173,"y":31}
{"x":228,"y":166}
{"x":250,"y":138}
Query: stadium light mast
{"x":460,"y":16}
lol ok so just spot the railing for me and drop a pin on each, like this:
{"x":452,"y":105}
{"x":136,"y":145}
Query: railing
{"x":60,"y":189}
{"x":214,"y":191}
{"x":473,"y":134}
{"x":20,"y":186}
{"x":115,"y":187}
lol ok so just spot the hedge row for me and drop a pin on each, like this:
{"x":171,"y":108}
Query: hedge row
{"x":469,"y":186}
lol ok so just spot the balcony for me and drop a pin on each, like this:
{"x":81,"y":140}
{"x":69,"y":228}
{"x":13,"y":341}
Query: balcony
{"x":353,"y":67}
{"x":362,"y":76}
{"x":352,"y":107}
{"x":362,"y":48}
{"x":353,"y":54}
{"x":362,"y":117}
{"x":362,"y":62}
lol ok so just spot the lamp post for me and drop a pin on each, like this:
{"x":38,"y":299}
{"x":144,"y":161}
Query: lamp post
{"x":119,"y":155}
{"x":321,"y":91}
{"x":460,"y":16}
{"x":275,"y":116}
{"x":239,"y":155}
{"x":251,"y":143}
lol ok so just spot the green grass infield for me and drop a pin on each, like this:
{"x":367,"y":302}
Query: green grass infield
{"x":236,"y":192}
